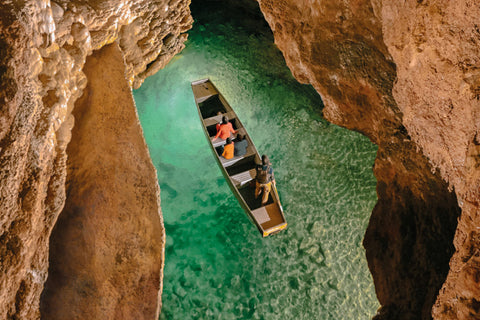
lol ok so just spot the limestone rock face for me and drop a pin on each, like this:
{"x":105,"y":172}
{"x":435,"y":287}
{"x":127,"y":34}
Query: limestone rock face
{"x":404,"y":73}
{"x":106,"y":248}
{"x":44,"y":45}
{"x":436,"y":47}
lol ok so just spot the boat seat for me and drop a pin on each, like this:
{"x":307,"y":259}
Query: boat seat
{"x":261,"y":215}
{"x":229,"y":162}
{"x":219,"y":142}
{"x":203,"y":90}
{"x":216,"y":119}
{"x":243,"y":178}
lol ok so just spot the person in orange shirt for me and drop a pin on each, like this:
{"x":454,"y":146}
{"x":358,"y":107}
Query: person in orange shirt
{"x":223,"y":132}
{"x":228,"y":149}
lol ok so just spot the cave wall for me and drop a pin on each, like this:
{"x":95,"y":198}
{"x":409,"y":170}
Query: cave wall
{"x":106,"y":249}
{"x":44,"y":45}
{"x":436,"y":45}
{"x":404,"y":73}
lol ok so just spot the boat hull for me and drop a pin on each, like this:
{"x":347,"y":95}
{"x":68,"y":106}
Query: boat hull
{"x":239,"y":171}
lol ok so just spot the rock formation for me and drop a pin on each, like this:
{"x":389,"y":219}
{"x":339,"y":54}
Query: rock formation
{"x":44,"y":46}
{"x":406,"y":74}
{"x":107,"y":244}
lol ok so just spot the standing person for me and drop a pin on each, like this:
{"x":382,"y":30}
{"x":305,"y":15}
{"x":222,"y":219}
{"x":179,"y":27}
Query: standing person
{"x":240,"y":147}
{"x":264,"y":179}
{"x":228,"y":149}
{"x":223,"y":132}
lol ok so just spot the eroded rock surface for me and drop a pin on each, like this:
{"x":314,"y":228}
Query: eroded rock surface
{"x":44,"y":45}
{"x":107,"y":245}
{"x":436,"y":46}
{"x":404,"y":73}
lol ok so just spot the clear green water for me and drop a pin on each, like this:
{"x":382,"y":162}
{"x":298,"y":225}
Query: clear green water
{"x":217,"y":265}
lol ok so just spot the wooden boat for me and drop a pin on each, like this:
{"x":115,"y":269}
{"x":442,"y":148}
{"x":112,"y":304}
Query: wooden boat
{"x":240,"y":170}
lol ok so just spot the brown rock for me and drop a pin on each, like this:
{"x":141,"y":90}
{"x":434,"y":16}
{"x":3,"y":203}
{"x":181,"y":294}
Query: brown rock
{"x":44,"y":46}
{"x":106,"y":250}
{"x":437,"y":50}
{"x":403,"y":73}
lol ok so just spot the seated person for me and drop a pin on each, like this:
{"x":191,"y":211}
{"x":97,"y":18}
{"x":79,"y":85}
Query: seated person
{"x":223,"y":132}
{"x":228,"y":149}
{"x":240,"y":147}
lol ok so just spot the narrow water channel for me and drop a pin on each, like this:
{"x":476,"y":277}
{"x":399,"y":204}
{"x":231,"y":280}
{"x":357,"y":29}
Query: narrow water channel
{"x":217,"y":265}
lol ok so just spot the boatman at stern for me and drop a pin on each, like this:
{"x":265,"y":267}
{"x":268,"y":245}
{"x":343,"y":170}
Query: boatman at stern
{"x":264,"y":179}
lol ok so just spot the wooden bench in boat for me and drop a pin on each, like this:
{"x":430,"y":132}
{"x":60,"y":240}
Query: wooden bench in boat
{"x":267,"y":216}
{"x":203,"y":92}
{"x":220,"y":142}
{"x":218,"y":118}
{"x":229,"y":162}
{"x":243,"y":178}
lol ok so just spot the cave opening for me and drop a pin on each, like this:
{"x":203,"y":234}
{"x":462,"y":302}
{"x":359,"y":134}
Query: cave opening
{"x":224,"y":45}
{"x":215,"y":261}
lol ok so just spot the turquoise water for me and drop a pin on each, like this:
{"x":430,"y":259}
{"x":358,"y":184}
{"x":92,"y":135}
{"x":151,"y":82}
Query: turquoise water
{"x":217,"y":265}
